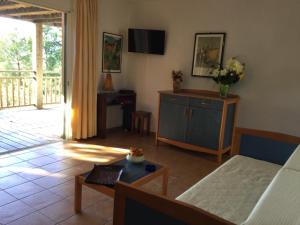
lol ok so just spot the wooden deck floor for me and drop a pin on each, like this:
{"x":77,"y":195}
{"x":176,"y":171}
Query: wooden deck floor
{"x":27,"y":127}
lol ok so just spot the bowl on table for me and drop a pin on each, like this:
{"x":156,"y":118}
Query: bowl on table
{"x":136,"y":155}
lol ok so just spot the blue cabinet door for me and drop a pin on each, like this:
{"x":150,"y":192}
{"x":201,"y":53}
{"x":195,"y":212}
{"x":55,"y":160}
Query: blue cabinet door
{"x":173,"y":121}
{"x":204,"y":127}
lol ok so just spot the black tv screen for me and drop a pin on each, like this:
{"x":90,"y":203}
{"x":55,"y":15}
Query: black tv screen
{"x":146,"y":41}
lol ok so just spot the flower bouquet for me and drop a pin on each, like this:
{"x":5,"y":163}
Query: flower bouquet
{"x":229,"y":75}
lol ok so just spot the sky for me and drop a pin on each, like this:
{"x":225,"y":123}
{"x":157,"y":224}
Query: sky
{"x":8,"y":25}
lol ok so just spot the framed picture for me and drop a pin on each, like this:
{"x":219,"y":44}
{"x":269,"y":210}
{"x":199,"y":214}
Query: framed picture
{"x":111,"y":53}
{"x":208,"y":53}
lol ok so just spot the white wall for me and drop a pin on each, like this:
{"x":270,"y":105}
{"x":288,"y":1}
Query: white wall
{"x":264,"y":34}
{"x":114,"y":18}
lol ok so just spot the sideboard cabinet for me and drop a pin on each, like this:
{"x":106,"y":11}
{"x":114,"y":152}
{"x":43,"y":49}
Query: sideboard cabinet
{"x":197,"y":120}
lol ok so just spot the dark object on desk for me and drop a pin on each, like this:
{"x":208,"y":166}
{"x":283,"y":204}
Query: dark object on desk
{"x":150,"y":168}
{"x":105,"y":175}
{"x":125,"y":98}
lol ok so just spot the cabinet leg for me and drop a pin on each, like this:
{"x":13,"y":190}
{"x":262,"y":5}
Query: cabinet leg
{"x":165,"y":182}
{"x":142,"y":127}
{"x":157,"y":142}
{"x":78,"y":195}
{"x":132,"y":123}
{"x":219,"y":158}
{"x":148,"y":126}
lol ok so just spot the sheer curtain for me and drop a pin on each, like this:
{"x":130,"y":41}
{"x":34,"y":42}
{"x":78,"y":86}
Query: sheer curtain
{"x":84,"y":95}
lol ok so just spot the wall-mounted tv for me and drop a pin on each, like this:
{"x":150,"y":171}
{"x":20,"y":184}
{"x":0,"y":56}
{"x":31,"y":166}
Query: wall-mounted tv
{"x":146,"y":41}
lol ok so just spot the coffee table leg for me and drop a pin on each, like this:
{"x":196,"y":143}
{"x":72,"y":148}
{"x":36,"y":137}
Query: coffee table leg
{"x":165,"y":182}
{"x":78,"y":195}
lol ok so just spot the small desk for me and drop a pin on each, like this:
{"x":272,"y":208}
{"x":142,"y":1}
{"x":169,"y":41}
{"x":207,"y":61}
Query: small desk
{"x":133,"y":174}
{"x":105,"y":99}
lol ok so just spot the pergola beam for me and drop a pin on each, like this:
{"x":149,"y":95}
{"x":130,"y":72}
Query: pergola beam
{"x":5,"y":2}
{"x":38,"y":17}
{"x":12,"y":6}
{"x":22,"y":10}
{"x":30,"y":13}
{"x":45,"y":21}
{"x":18,"y":10}
{"x":55,"y":24}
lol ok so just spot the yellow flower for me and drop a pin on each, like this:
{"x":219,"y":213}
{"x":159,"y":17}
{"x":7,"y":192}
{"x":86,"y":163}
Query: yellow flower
{"x":234,"y":65}
{"x":223,"y":72}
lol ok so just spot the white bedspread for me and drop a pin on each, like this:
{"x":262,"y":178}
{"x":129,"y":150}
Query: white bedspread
{"x":232,"y":190}
{"x":280,"y":203}
{"x":294,"y":161}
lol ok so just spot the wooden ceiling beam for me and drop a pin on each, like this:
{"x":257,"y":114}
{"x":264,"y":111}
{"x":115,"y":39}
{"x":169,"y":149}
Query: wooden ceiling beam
{"x":18,"y":10}
{"x":21,"y":10}
{"x":35,"y":5}
{"x":54,"y":20}
{"x":30,"y":13}
{"x":6,"y":2}
{"x":56,"y":24}
{"x":44,"y":16}
{"x":12,"y":6}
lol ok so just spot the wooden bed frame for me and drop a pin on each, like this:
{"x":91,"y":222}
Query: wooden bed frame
{"x":134,"y":206}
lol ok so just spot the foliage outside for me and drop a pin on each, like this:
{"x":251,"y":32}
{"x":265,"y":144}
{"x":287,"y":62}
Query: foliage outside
{"x":16,"y":52}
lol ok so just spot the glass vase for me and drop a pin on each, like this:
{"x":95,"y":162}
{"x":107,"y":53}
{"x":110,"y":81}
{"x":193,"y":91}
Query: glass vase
{"x":224,"y":90}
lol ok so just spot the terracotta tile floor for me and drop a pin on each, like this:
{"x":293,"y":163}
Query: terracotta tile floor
{"x":37,"y":185}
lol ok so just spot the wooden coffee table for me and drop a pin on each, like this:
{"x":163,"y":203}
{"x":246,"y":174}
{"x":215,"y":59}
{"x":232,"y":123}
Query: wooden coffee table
{"x":133,"y":174}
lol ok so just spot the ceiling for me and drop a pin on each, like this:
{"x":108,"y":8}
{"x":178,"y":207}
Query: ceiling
{"x":27,"y":12}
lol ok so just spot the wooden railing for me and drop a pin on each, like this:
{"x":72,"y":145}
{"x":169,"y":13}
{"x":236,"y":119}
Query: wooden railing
{"x":17,"y":90}
{"x":51,"y":89}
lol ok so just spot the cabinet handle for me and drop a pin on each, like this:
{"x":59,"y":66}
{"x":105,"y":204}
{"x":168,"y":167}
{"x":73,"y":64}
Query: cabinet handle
{"x":191,"y":113}
{"x":186,"y":111}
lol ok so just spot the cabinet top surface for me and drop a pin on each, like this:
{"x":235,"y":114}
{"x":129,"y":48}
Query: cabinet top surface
{"x":201,"y":94}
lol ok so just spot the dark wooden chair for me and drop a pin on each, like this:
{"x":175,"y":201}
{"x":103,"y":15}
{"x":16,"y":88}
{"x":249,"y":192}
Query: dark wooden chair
{"x":140,"y":117}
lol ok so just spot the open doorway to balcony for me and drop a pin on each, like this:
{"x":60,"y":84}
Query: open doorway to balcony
{"x":31,"y":76}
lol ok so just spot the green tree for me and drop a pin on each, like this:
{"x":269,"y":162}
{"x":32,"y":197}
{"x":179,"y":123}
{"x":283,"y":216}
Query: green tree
{"x":16,"y":52}
{"x":52,"y":48}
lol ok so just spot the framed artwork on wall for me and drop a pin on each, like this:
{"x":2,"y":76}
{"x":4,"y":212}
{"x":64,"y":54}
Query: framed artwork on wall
{"x":112,"y":53}
{"x":208,"y":53}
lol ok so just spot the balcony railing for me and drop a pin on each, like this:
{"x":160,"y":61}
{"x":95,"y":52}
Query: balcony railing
{"x":52,"y":88}
{"x":19,"y":88}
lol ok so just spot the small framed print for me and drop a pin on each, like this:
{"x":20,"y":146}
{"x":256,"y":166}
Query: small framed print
{"x":208,"y":53}
{"x":111,"y":53}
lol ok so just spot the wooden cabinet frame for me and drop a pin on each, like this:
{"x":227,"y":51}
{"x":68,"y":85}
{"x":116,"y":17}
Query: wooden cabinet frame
{"x":209,"y":95}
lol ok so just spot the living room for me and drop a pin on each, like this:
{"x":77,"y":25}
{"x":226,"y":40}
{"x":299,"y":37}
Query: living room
{"x":262,"y":35}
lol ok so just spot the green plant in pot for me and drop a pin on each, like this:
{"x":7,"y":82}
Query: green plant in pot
{"x":233,"y":72}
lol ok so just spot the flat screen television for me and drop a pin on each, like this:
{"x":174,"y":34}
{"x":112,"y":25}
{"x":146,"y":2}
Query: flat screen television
{"x":146,"y":41}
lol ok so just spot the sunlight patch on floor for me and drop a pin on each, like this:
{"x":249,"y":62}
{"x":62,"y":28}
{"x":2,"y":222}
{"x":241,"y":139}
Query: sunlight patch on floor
{"x":33,"y":171}
{"x":93,"y":153}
